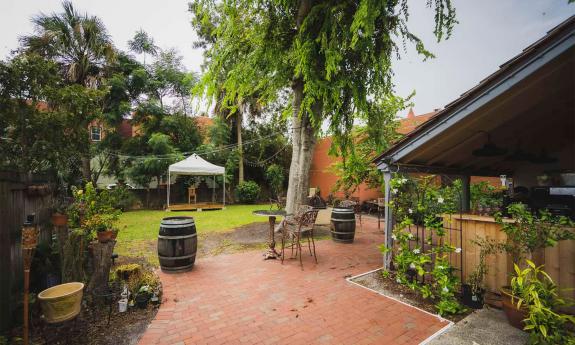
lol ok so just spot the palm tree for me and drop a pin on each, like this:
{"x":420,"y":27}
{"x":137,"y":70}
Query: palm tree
{"x":142,"y":43}
{"x":79,"y":43}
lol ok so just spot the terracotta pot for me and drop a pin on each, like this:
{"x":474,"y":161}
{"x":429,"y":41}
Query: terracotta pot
{"x":59,"y":219}
{"x":509,"y":304}
{"x":105,"y":236}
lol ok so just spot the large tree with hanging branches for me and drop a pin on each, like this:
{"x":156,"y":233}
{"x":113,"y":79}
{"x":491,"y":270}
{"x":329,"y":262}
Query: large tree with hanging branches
{"x":334,"y":56}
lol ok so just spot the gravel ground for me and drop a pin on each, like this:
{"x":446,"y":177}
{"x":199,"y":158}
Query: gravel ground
{"x":487,"y":326}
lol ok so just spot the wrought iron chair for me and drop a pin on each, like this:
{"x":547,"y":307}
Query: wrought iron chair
{"x":380,"y":208}
{"x":279,"y":203}
{"x":192,"y":195}
{"x":294,"y":228}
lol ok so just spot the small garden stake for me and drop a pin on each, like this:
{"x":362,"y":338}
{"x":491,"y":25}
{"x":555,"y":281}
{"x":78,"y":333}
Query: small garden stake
{"x":29,"y":242}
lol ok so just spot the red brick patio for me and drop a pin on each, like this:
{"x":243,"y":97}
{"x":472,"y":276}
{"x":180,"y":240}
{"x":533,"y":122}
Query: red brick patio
{"x":241,"y":299}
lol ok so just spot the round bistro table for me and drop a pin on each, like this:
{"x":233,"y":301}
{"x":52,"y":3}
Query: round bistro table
{"x":271,"y":252}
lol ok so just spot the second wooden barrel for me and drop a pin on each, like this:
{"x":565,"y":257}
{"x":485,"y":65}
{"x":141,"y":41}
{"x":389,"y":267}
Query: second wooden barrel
{"x":342,"y":224}
{"x":177,"y":244}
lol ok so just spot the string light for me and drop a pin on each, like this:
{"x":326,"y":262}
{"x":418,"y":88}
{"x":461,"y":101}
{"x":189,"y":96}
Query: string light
{"x":199,"y":153}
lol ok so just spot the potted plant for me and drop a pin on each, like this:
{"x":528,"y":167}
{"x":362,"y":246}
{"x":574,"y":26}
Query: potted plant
{"x":143,"y":296}
{"x":59,"y":209}
{"x":536,"y":305}
{"x":102,"y":225}
{"x":527,"y":233}
{"x":473,"y":292}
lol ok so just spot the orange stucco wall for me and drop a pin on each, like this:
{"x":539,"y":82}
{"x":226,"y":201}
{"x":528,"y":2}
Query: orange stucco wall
{"x":323,"y":177}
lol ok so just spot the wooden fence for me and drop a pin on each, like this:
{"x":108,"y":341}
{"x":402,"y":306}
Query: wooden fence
{"x":18,"y":197}
{"x":559,"y":260}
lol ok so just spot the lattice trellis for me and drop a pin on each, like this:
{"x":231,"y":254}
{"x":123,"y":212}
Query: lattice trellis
{"x":454,"y":237}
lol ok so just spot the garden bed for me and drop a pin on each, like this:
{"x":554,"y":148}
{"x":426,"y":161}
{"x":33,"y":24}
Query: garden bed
{"x":91,"y":327}
{"x":387,"y":286}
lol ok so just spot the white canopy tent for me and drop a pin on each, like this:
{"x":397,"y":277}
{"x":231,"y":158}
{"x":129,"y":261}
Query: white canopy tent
{"x":197,"y":166}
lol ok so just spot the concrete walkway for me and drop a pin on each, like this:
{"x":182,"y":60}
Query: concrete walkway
{"x":242,"y":299}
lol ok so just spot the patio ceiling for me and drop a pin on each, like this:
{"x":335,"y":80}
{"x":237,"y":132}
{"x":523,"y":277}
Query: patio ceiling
{"x":529,"y":103}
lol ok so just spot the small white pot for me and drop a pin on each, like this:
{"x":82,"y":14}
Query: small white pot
{"x":122,"y":305}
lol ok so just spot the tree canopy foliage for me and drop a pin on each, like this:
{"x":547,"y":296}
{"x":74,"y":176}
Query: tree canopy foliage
{"x":335,"y":56}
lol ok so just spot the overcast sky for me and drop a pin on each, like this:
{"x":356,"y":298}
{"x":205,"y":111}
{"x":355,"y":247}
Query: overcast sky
{"x":489,"y":33}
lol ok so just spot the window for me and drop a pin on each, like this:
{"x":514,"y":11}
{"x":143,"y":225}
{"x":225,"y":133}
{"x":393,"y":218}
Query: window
{"x":95,"y":133}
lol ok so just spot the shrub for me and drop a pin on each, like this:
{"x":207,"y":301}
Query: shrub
{"x":122,"y":198}
{"x":248,"y":192}
{"x":275,"y":178}
{"x":536,"y":291}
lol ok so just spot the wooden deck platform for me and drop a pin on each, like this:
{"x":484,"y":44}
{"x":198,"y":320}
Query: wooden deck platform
{"x":198,"y":206}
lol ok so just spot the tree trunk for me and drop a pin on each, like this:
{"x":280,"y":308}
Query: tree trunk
{"x":239,"y":119}
{"x":102,"y":264}
{"x":303,"y":139}
{"x":86,"y":169}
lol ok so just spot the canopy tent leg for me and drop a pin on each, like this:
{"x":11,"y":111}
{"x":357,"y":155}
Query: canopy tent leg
{"x":224,"y":184}
{"x":168,"y":189}
{"x":214,"y":189}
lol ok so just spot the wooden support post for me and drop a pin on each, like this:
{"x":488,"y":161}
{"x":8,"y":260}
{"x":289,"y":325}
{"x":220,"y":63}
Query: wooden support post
{"x":388,"y":217}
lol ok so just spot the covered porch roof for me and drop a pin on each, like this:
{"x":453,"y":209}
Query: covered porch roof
{"x":527,"y":107}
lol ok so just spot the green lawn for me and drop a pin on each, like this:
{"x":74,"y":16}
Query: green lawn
{"x":139,"y":229}
{"x":144,"y":225}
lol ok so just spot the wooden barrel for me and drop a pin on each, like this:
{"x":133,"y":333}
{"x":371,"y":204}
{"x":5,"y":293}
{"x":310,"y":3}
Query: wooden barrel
{"x":177,"y":244}
{"x":342,"y":224}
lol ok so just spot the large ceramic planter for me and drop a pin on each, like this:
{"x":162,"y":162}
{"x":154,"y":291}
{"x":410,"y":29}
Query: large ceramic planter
{"x":61,"y":302}
{"x":59,"y":219}
{"x":509,"y":304}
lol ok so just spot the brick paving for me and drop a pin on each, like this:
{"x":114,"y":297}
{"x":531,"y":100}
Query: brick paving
{"x":242,"y":299}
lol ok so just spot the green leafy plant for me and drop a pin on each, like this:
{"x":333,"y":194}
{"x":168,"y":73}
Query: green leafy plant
{"x":485,"y":197}
{"x":275,"y":177}
{"x":534,"y":290}
{"x":100,"y":222}
{"x":60,"y":204}
{"x":486,"y":247}
{"x":526,"y":232}
{"x":122,"y":198}
{"x":421,"y":202}
{"x":248,"y":192}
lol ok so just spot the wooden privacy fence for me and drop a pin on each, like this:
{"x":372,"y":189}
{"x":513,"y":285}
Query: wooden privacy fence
{"x":462,"y":229}
{"x":19,"y":195}
{"x":559,"y":260}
